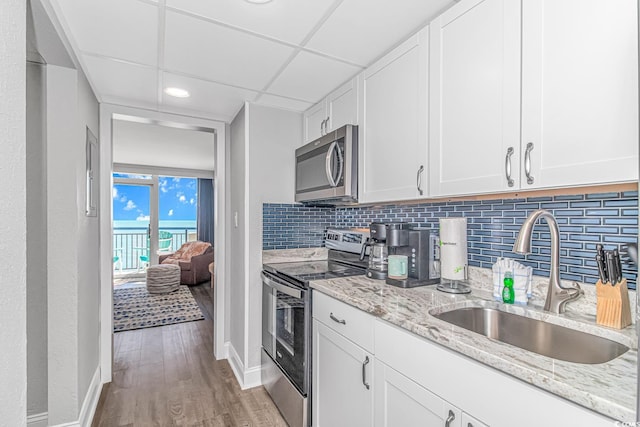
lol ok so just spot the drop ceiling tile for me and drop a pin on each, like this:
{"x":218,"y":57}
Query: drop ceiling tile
{"x":361,"y":30}
{"x":287,"y":20}
{"x":286,"y":103}
{"x":221,"y":54}
{"x":124,"y":29}
{"x":217,"y":100}
{"x":121,"y":80}
{"x":309,"y":77}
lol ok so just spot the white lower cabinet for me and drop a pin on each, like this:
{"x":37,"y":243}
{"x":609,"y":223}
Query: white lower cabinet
{"x":343,"y":377}
{"x":401,"y":402}
{"x":367,"y":372}
{"x":469,"y":421}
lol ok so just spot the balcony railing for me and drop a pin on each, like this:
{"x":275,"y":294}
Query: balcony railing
{"x":130,"y":243}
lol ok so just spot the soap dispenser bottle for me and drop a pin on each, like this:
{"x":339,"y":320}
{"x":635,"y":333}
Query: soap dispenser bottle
{"x":508,"y":294}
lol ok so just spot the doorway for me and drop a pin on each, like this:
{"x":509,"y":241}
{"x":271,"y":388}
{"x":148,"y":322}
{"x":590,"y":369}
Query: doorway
{"x":109,"y":115}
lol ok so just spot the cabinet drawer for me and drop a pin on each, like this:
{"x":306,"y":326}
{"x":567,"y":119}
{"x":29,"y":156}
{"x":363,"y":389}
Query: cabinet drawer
{"x":348,"y":321}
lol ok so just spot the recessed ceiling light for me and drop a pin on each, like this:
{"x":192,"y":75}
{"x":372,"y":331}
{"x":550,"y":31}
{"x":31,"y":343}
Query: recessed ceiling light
{"x":177,"y":92}
{"x":258,"y":1}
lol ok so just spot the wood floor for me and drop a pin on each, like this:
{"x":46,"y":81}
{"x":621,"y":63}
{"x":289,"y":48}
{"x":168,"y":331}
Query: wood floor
{"x":167,"y":376}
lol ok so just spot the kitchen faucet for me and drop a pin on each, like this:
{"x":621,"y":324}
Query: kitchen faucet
{"x":557,"y":296}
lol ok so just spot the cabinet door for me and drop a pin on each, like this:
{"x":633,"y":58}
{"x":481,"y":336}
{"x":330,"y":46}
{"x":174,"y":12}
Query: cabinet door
{"x":342,"y":381}
{"x":313,"y":119}
{"x":469,"y":421}
{"x":394,"y":131}
{"x":400,"y":402}
{"x":580,"y":91}
{"x":474,"y":73}
{"x":342,"y":105}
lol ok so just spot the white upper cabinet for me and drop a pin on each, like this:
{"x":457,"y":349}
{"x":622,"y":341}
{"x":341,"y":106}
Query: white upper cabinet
{"x":539,"y":97}
{"x":339,"y":108}
{"x":342,"y":106}
{"x":579,"y":91}
{"x":314,"y":120}
{"x":393,"y":131}
{"x":474,"y":72}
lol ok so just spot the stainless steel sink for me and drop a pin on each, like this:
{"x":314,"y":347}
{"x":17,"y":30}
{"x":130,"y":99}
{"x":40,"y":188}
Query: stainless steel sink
{"x":534,"y":335}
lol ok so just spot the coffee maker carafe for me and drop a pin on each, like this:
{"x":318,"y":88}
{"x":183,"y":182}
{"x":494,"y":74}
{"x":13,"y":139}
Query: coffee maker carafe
{"x":378,"y":255}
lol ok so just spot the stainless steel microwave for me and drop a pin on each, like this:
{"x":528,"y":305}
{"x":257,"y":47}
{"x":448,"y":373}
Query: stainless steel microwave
{"x":327,"y":168}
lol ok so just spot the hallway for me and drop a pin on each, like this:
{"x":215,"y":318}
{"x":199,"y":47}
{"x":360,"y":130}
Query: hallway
{"x":167,"y":376}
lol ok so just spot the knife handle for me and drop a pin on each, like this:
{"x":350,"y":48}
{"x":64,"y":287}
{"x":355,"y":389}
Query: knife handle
{"x":601,"y":269}
{"x":611,"y":268}
{"x":618,"y":265}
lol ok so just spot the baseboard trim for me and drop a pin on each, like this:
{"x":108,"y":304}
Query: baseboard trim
{"x":253,"y":377}
{"x":90,"y":403}
{"x":224,"y":352}
{"x":247,"y":378}
{"x":91,"y":399}
{"x":38,"y":420}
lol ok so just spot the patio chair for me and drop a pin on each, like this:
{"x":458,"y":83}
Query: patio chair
{"x":165,"y":241}
{"x":117,"y":259}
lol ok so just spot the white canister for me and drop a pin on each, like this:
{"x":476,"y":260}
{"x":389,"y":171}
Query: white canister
{"x":453,"y":248}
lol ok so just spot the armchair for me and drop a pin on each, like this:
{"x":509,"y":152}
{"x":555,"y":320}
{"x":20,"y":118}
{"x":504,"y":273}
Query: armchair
{"x":193,"y":258}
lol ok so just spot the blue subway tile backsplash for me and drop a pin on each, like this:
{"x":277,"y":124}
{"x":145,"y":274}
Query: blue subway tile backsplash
{"x":584,"y":221}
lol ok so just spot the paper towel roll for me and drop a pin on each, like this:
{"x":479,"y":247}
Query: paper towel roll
{"x":453,"y":248}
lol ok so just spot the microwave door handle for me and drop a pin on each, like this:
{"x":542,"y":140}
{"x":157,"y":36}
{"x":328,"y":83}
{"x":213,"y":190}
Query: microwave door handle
{"x":327,"y":164}
{"x":292,"y":292}
{"x":340,"y":163}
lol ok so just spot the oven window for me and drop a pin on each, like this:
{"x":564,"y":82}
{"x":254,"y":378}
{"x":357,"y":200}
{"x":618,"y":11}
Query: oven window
{"x":290,"y":337}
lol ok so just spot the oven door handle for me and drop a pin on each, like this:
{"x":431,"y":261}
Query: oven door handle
{"x":296,"y":293}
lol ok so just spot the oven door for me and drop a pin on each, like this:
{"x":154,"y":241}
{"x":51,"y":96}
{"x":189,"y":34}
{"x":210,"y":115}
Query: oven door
{"x":284,"y":327}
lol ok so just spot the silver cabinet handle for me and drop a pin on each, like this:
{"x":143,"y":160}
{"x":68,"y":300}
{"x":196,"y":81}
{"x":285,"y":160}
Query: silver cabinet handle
{"x":322,"y":127}
{"x":419,"y":179}
{"x":364,"y":372}
{"x":326,"y":125}
{"x":527,"y":163}
{"x":327,"y":164}
{"x":450,"y":418}
{"x":507,"y":167}
{"x":335,"y":319}
{"x":469,"y":425}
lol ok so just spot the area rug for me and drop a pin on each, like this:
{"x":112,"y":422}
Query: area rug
{"x":135,"y":308}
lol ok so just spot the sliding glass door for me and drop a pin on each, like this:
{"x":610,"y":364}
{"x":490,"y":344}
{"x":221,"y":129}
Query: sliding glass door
{"x":136,"y":237}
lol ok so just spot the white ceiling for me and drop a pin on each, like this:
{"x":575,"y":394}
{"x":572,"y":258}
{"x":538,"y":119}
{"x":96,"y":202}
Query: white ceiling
{"x":286,"y":53}
{"x":161,"y":146}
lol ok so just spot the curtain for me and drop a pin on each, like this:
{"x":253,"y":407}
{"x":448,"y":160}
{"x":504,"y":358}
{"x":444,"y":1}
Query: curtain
{"x":205,"y":210}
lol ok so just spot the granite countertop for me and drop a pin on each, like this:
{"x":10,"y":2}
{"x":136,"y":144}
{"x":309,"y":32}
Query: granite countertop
{"x":608,"y":388}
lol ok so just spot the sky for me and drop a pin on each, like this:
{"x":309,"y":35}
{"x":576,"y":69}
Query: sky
{"x":178,"y":199}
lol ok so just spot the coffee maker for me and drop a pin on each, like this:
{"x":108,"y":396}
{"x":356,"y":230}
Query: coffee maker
{"x":421,"y":247}
{"x":378,"y":255}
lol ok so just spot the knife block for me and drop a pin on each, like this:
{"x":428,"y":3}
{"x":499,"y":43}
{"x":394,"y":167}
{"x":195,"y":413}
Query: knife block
{"x":614,"y":309}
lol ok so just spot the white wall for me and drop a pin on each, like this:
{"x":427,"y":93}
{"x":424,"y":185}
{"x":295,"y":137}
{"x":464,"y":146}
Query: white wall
{"x":237,"y":193}
{"x":273,"y":137}
{"x":13,"y":227}
{"x":62,"y":244}
{"x":72,"y":246}
{"x":88,"y":245}
{"x":36,"y":241}
{"x":263,"y":141}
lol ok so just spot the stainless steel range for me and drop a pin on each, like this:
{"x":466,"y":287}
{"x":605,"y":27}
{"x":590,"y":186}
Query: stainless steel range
{"x":286,"y":323}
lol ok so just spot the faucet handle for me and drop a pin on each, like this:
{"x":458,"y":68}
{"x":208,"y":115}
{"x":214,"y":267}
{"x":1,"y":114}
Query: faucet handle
{"x":574,"y":290}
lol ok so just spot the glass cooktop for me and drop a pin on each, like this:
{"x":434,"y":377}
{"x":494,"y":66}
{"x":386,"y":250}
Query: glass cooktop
{"x":305,"y":271}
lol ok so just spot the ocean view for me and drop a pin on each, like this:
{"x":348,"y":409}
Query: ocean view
{"x":132,"y":225}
